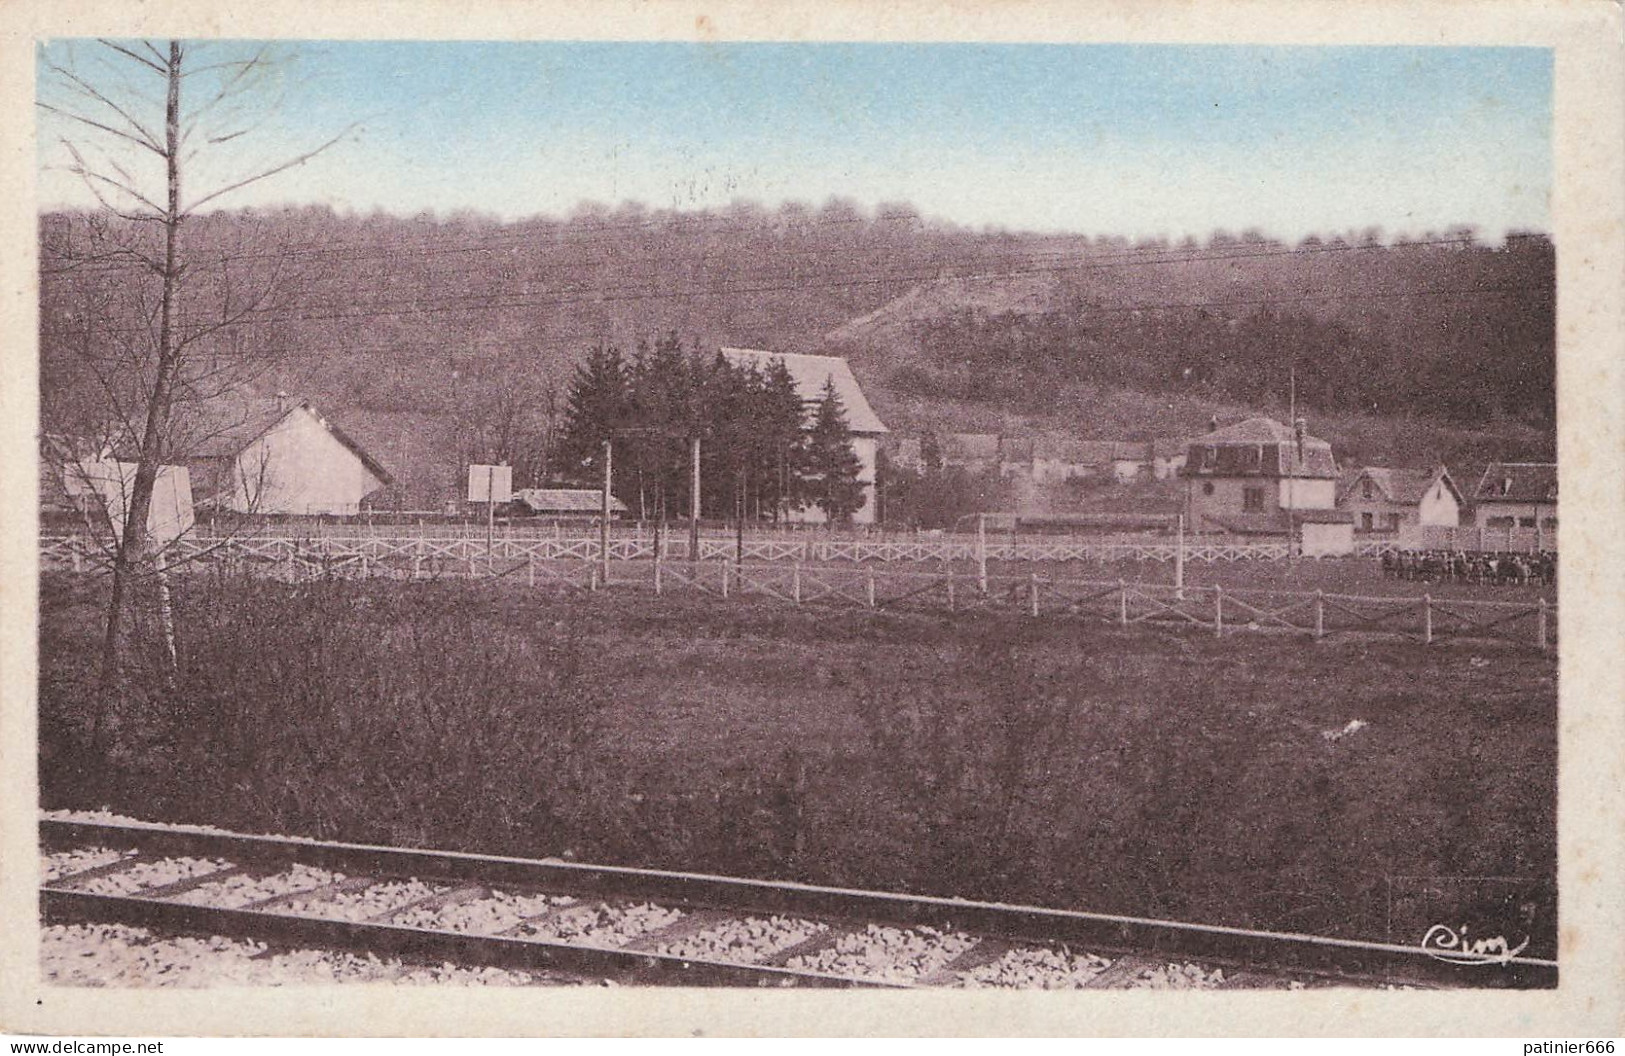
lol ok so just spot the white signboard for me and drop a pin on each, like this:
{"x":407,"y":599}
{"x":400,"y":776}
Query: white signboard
{"x":170,"y":515}
{"x":490,"y":483}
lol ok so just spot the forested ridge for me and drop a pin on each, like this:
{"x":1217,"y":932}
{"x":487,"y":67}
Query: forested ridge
{"x":474,"y":327}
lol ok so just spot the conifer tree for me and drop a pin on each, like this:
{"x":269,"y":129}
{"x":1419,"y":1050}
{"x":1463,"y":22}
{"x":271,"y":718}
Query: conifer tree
{"x":783,"y":438}
{"x":599,"y":403}
{"x":832,"y":465}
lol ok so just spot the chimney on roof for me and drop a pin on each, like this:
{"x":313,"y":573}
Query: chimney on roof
{"x":282,"y":402}
{"x":1506,"y":484}
{"x":1213,"y":424}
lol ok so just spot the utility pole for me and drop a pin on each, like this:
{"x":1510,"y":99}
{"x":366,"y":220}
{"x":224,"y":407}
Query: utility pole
{"x":739,"y":519}
{"x":490,"y":511}
{"x":981,"y":552}
{"x":1293,"y":453}
{"x":694,"y":498}
{"x":1179,"y":562}
{"x":603,"y":514}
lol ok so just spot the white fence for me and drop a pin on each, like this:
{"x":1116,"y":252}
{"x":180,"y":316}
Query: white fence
{"x":807,"y":548}
{"x":576,"y":565}
{"x":1434,"y":537}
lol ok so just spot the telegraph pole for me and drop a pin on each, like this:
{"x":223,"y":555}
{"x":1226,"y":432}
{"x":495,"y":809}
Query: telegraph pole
{"x":490,"y":509}
{"x":1293,"y":453}
{"x":603,"y":514}
{"x":1179,"y":562}
{"x":694,"y":498}
{"x":981,"y":552}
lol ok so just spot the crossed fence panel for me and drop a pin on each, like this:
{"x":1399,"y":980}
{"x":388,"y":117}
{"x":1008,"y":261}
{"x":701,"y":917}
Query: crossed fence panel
{"x":1449,"y":622}
{"x":577,"y":564}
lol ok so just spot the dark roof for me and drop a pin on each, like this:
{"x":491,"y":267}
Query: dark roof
{"x":222,"y":426}
{"x":1276,"y":521}
{"x":1518,"y":482}
{"x":566,"y":500}
{"x":1322,"y":516}
{"x":1249,"y":431}
{"x":1403,"y":487}
{"x":1249,"y":523}
{"x":415,"y":444}
{"x":1258,"y":447}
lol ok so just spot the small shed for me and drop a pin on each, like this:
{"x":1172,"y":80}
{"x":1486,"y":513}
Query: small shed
{"x":1320,"y":533}
{"x":1325,"y":533}
{"x":567,"y":504}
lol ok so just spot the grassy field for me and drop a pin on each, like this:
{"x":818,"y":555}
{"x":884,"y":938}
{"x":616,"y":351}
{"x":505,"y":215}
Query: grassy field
{"x":1064,"y":763}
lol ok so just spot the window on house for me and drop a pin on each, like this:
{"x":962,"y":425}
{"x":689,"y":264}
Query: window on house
{"x":1365,"y":522}
{"x":1252,"y":498}
{"x":1526,"y":522}
{"x":1498,"y":522}
{"x":1550,"y":522}
{"x":1207,"y":487}
{"x":1393,"y":522}
{"x":1367,"y":490}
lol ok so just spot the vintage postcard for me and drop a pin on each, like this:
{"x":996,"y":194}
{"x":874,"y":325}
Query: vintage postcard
{"x":709,"y":518}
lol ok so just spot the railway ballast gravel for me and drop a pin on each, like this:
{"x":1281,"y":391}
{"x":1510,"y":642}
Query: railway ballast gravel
{"x":132,"y":903}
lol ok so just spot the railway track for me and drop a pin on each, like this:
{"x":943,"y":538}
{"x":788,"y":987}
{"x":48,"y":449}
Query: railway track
{"x":564,"y":922}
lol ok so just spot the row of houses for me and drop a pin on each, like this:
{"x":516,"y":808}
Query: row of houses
{"x":1047,"y":459}
{"x":1262,"y":477}
{"x":283,"y":457}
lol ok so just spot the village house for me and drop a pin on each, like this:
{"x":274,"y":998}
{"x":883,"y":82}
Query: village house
{"x":274,"y":456}
{"x":1386,"y":500}
{"x":83,"y":486}
{"x":1048,"y":459}
{"x":1056,"y":459}
{"x":811,"y":374}
{"x":1259,"y":477}
{"x":65,"y":481}
{"x":1052,"y":459}
{"x":1517,"y":495}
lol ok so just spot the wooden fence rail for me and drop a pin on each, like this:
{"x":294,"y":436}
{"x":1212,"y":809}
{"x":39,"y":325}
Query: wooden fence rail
{"x":60,"y":551}
{"x":576,"y":565}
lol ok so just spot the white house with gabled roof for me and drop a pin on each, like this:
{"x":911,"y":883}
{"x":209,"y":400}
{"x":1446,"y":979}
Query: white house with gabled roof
{"x":274,"y":455}
{"x":811,"y":374}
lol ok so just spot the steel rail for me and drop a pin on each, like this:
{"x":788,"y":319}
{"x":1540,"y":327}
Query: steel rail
{"x":1258,"y":949}
{"x":424,"y":945}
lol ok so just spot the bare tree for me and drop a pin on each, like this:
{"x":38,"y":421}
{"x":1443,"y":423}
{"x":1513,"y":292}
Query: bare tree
{"x":135,"y":121}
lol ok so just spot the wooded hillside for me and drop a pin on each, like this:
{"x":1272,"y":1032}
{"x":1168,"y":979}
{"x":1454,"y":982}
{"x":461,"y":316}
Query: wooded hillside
{"x":476,"y":325}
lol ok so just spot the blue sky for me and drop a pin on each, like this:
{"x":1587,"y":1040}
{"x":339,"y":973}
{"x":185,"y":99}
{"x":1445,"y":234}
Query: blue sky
{"x":1136,"y":140}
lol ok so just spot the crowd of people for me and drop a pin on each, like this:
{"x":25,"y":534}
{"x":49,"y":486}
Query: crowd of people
{"x":1471,"y":566}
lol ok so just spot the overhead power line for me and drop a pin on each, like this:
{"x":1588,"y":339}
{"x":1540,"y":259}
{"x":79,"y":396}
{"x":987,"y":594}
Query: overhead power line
{"x":778,"y":283}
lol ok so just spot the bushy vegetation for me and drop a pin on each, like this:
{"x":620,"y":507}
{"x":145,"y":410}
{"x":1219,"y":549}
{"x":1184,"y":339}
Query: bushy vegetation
{"x":1457,"y":331}
{"x":988,"y":756}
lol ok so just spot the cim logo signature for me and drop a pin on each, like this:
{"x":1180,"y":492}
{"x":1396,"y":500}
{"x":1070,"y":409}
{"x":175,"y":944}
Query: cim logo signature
{"x":1453,"y":946}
